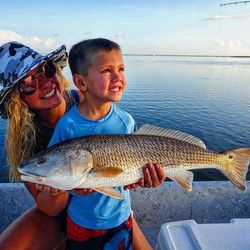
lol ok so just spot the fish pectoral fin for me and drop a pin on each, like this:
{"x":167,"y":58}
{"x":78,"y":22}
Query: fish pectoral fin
{"x":112,"y":192}
{"x":107,"y":172}
{"x":183,"y":177}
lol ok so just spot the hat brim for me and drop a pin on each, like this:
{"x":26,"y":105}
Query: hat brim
{"x":58,"y":56}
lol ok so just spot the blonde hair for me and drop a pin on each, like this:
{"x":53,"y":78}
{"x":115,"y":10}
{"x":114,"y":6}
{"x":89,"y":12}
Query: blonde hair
{"x":21,"y":130}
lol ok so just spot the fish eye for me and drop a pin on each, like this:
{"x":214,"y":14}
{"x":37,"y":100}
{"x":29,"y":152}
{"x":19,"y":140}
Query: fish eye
{"x":41,"y":160}
{"x":230,"y":156}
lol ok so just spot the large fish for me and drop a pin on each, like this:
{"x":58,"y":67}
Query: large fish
{"x":105,"y":161}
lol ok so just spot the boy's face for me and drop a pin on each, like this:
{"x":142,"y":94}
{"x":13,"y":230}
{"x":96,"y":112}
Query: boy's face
{"x":106,"y":77}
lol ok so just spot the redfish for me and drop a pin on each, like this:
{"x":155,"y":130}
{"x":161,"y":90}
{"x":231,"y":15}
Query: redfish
{"x":102,"y":162}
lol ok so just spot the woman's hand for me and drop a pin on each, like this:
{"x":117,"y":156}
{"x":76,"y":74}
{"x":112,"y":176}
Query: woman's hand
{"x":49,"y":190}
{"x":55,"y":191}
{"x":153,"y":176}
{"x":49,"y":200}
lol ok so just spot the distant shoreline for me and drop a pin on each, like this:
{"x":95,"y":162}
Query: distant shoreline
{"x":184,"y":55}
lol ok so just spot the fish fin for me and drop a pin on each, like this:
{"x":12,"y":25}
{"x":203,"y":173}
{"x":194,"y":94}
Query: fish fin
{"x":184,"y":178}
{"x":237,"y":167}
{"x":147,"y":129}
{"x":112,"y":192}
{"x":107,"y":172}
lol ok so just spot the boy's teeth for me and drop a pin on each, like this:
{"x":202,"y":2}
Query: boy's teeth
{"x":49,"y":94}
{"x":115,"y":89}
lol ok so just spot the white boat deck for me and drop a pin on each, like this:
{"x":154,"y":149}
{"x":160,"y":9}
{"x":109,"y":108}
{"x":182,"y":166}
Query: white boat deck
{"x":209,"y":202}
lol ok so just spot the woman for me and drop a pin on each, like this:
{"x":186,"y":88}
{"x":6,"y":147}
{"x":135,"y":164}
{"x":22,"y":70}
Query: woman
{"x":33,"y":96}
{"x":33,"y":105}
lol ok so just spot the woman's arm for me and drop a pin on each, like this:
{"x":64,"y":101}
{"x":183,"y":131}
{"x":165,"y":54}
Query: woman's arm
{"x":48,"y":200}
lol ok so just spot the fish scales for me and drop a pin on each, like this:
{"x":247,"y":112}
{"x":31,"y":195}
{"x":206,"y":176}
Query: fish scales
{"x":129,"y":150}
{"x":132,"y":152}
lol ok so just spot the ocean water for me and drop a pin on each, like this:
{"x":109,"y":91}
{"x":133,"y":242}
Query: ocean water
{"x":208,"y":97}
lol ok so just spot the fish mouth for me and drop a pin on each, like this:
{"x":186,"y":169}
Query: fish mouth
{"x":32,"y":177}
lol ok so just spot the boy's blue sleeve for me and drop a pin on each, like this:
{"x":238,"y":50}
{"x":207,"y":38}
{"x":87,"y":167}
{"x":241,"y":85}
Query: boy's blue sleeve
{"x":135,"y":126}
{"x":60,"y":134}
{"x":55,"y":138}
{"x":132,"y":124}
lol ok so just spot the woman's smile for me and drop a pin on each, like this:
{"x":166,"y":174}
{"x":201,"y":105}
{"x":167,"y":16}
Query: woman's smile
{"x":50,"y":93}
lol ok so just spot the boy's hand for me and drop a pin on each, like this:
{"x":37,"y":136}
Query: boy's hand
{"x":48,"y":189}
{"x":153,"y":176}
{"x":131,"y":186}
{"x":83,"y":191}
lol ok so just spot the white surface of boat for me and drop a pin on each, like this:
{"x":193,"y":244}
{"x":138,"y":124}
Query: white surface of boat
{"x":209,"y":202}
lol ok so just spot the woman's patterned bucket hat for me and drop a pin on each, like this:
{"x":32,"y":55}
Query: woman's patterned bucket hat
{"x":16,"y":60}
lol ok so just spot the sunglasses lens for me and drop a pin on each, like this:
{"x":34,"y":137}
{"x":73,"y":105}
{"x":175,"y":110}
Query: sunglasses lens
{"x":27,"y":90}
{"x":50,"y":69}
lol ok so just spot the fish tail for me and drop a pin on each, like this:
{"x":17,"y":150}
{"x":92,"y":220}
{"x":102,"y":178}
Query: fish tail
{"x":237,"y":166}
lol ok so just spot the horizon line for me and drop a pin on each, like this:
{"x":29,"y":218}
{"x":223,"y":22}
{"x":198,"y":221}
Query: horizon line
{"x":182,"y":55}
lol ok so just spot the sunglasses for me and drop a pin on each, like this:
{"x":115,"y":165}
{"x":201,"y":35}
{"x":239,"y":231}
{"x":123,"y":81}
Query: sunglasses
{"x":47,"y":70}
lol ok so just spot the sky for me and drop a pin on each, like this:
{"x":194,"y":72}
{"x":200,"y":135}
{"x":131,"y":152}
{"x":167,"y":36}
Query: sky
{"x":187,"y":27}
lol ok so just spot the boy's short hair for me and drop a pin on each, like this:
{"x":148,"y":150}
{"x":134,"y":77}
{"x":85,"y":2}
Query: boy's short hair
{"x":82,"y":53}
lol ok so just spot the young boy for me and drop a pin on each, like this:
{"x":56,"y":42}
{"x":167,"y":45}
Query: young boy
{"x":97,"y":221}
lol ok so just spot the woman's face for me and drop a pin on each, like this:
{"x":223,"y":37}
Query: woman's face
{"x":42,"y":89}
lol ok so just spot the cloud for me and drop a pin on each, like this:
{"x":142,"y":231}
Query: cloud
{"x":7,"y":35}
{"x":34,"y":42}
{"x":120,"y":35}
{"x":228,"y":43}
{"x":218,"y":17}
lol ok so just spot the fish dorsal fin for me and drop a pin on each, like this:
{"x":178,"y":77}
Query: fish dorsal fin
{"x":107,"y":172}
{"x":112,"y":192}
{"x":147,"y":129}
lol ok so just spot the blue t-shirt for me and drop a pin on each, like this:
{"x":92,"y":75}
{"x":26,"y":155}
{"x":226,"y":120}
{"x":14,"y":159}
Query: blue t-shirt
{"x":95,"y":210}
